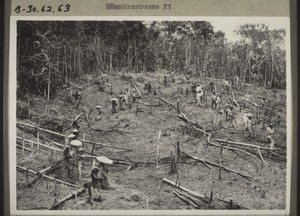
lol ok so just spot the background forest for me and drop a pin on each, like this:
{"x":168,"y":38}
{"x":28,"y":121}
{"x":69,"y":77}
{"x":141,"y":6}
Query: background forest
{"x":62,"y":51}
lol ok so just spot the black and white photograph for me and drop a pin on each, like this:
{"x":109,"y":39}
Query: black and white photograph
{"x":151,"y":114}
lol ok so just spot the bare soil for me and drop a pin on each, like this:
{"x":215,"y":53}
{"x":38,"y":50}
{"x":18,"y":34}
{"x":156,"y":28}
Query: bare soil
{"x":142,"y":186}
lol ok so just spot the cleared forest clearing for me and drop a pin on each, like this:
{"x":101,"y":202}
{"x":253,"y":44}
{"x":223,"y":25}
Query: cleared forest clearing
{"x":161,"y":139}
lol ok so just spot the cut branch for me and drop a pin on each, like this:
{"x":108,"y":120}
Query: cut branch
{"x":245,"y":144}
{"x":23,"y":169}
{"x":218,"y":165}
{"x":66,"y":198}
{"x":105,"y":145}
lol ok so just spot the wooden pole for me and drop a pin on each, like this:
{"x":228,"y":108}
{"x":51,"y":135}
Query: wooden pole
{"x":23,"y":144}
{"x":150,"y":102}
{"x":45,"y":93}
{"x":200,"y":196}
{"x":41,"y":129}
{"x":93,"y":163}
{"x":27,"y":175}
{"x":137,"y":107}
{"x":157,"y":149}
{"x":83,"y":143}
{"x":51,"y":156}
{"x":38,"y":139}
{"x":72,"y":195}
{"x":79,"y":170}
{"x":212,"y":191}
{"x":31,"y":147}
{"x":48,"y":96}
{"x":47,"y":177}
{"x":178,"y":110}
{"x":221,"y":157}
{"x":55,"y":188}
{"x":66,"y":141}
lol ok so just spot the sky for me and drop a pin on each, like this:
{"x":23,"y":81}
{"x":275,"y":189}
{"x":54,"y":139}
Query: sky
{"x":229,"y":24}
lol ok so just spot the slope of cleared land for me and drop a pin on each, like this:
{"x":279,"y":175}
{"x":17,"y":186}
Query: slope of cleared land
{"x":141,"y":185}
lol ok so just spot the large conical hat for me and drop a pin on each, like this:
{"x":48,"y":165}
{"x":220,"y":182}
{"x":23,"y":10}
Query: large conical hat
{"x":76,"y":143}
{"x":75,"y":130}
{"x":71,"y":136}
{"x":105,"y":160}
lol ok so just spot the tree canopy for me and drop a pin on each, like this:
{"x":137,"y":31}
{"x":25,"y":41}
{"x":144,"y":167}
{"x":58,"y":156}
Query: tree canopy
{"x":68,"y":50}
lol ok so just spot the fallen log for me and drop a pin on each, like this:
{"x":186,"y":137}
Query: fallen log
{"x":234,"y":149}
{"x":283,"y":158}
{"x":76,"y":119}
{"x":246,"y":145}
{"x":186,"y":199}
{"x":41,"y":129}
{"x":23,"y":169}
{"x":233,"y":99}
{"x":105,"y":145}
{"x":55,"y":143}
{"x":194,"y":199}
{"x":218,"y":165}
{"x":50,"y":168}
{"x":163,"y":100}
{"x":197,"y":195}
{"x":40,"y":144}
{"x":183,"y":105}
{"x":66,"y":198}
{"x":137,"y":90}
{"x":145,"y":104}
{"x":202,"y":197}
{"x":45,"y":171}
{"x":260,"y":155}
{"x":185,"y":119}
{"x":79,"y":100}
{"x":251,"y":102}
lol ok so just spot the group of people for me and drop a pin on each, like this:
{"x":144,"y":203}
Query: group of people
{"x":248,"y":117}
{"x":125,"y":98}
{"x":73,"y":153}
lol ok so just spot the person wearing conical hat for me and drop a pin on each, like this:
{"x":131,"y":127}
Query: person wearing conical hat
{"x":133,"y":96}
{"x":248,"y":118}
{"x":98,"y":110}
{"x":270,"y":131}
{"x":99,"y":176}
{"x":121,"y":101}
{"x":76,"y":133}
{"x":72,"y":156}
{"x":114,"y":104}
{"x":76,"y":146}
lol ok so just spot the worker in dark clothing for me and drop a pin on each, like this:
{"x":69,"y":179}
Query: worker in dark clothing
{"x":114,"y":104}
{"x":211,"y":86}
{"x":99,"y":177}
{"x":214,"y":100}
{"x":165,"y":80}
